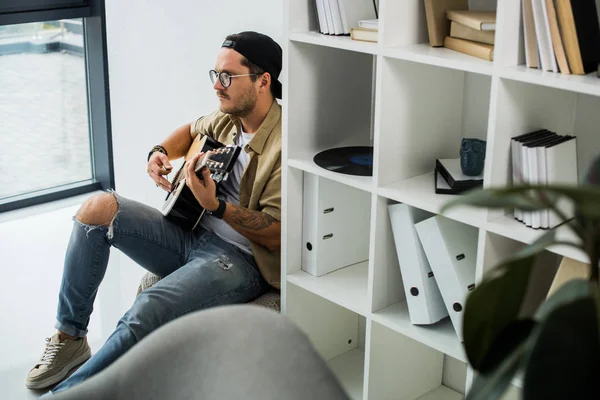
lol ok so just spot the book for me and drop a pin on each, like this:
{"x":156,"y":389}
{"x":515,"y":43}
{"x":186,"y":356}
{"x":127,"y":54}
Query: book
{"x":479,"y":50}
{"x":464,"y":32}
{"x":364,"y":34}
{"x":336,"y":16}
{"x":438,"y":26}
{"x":557,"y":44}
{"x":329,"y":17}
{"x":369,"y":23}
{"x":544,"y":40}
{"x":518,"y":171}
{"x":479,"y":20}
{"x":532,"y":59}
{"x":561,"y":169}
{"x":578,"y":20}
{"x":323,"y":28}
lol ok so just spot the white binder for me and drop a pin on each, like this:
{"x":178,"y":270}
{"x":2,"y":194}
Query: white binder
{"x":335,"y":225}
{"x":451,"y":249}
{"x":425,"y":304}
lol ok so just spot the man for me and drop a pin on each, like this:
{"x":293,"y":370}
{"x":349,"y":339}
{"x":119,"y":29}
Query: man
{"x":232,"y":257}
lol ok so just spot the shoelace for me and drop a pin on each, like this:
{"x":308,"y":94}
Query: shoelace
{"x":50,"y":352}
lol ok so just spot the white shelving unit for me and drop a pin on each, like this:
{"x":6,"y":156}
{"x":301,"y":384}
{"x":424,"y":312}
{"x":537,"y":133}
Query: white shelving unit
{"x":413,"y":104}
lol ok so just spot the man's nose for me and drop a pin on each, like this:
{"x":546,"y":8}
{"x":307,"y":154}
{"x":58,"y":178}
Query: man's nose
{"x":218,"y":85}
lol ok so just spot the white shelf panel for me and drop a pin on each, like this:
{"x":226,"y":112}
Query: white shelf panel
{"x":349,"y":369}
{"x":587,"y":84}
{"x":306,"y":164}
{"x":439,"y":56}
{"x":442,"y":393}
{"x":440,"y":336}
{"x":346,"y":287}
{"x":419,"y":192}
{"x":337,"y":42}
{"x":508,"y":227}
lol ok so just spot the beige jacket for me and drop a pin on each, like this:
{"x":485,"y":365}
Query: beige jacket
{"x":260,"y":185}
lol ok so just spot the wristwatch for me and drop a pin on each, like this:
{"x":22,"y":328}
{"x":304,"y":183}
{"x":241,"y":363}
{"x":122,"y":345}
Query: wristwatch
{"x":220,"y":211}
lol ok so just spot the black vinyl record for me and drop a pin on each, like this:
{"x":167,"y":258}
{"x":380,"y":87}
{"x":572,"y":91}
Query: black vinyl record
{"x":353,"y":160}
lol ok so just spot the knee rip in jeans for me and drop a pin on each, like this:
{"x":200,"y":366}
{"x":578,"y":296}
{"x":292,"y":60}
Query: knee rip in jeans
{"x":224,"y":262}
{"x":110,"y":228}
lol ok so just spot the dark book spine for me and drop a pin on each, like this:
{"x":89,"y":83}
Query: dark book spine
{"x":585,"y":16}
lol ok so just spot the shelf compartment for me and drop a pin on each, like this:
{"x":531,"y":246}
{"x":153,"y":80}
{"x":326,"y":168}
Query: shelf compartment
{"x":348,"y":368}
{"x":585,"y":84}
{"x":327,"y":110}
{"x":525,"y":107}
{"x":306,"y":164}
{"x":510,"y":228}
{"x":346,"y":287}
{"x":422,"y":113}
{"x":439,"y":56}
{"x":419,"y":192}
{"x":440,"y":336}
{"x":400,"y":367}
{"x":337,"y":334}
{"x":442,"y":393}
{"x":337,"y":42}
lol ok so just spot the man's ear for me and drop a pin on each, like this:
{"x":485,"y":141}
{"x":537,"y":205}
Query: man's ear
{"x":265,"y":81}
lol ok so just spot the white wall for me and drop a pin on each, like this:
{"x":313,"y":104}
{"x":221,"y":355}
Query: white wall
{"x":159,"y":54}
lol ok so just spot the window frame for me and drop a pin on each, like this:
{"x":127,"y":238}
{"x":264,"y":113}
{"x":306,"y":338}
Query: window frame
{"x":96,"y":64}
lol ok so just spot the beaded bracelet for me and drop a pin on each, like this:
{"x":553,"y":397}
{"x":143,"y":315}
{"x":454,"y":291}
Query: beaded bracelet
{"x":158,"y":147}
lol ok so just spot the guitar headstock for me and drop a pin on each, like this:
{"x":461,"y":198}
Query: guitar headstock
{"x":220,"y":161}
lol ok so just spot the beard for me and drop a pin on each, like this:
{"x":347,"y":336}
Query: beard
{"x":242,"y":107}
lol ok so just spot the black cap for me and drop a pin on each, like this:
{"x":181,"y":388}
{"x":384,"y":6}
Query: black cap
{"x":260,"y":50}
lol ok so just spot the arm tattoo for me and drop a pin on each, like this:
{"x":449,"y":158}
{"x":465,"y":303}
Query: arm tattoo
{"x":254,"y":220}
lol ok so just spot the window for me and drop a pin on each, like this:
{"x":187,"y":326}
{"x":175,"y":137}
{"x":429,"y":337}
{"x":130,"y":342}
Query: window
{"x":55,"y":129}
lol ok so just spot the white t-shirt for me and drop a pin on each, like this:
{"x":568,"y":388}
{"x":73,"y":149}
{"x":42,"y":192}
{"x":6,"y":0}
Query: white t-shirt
{"x":230,"y":190}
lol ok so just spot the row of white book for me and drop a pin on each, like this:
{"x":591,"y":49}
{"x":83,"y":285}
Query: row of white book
{"x":543,"y":157}
{"x":338,"y":17}
{"x":437,"y":258}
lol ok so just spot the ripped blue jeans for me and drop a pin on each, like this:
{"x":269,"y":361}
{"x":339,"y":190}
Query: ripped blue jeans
{"x":198,"y":268}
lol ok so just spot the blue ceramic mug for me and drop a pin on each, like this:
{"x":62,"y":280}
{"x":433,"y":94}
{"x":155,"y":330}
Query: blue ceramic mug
{"x":472,"y":156}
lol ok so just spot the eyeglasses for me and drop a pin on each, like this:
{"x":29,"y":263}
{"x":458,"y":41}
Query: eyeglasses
{"x":224,"y":77}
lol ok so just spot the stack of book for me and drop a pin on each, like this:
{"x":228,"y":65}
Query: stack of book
{"x":367,"y":31}
{"x":451,"y":24}
{"x":543,"y":157}
{"x":561,"y":35}
{"x":339,"y":17}
{"x":437,"y":258}
{"x":472,"y":32}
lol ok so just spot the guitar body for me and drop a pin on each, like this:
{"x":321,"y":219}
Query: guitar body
{"x":180,"y":205}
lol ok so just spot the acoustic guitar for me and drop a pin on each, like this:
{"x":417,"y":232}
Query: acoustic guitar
{"x":180,"y":204}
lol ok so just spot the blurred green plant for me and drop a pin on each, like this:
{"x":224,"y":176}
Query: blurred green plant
{"x":557,"y":348}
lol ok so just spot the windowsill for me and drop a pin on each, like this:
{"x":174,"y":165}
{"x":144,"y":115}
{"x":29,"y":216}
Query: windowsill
{"x":46,"y":207}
